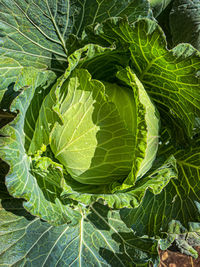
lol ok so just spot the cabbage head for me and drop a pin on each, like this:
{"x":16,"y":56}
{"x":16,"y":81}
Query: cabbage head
{"x":107,"y":132}
{"x":98,"y":143}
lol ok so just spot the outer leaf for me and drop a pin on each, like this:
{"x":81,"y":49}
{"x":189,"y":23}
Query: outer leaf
{"x":9,"y":71}
{"x":171,"y":77}
{"x":132,"y":197}
{"x":158,"y":6}
{"x":163,"y":21}
{"x":144,"y":157}
{"x":185,"y":22}
{"x":178,"y":203}
{"x":40,"y":33}
{"x":184,"y":240}
{"x":20,"y":182}
{"x":100,"y":239}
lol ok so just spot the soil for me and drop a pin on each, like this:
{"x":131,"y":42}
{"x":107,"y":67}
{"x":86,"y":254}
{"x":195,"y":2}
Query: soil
{"x":170,"y":258}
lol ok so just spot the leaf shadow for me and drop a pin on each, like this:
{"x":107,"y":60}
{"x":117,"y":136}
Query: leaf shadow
{"x":58,"y":66}
{"x":9,"y":95}
{"x":100,"y":222}
{"x":129,"y":249}
{"x":132,"y":250}
{"x":6,"y":115}
{"x":8,"y":202}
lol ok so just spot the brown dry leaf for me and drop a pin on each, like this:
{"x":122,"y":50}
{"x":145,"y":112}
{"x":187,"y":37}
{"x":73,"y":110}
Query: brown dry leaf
{"x":176,"y":259}
{"x":164,"y":256}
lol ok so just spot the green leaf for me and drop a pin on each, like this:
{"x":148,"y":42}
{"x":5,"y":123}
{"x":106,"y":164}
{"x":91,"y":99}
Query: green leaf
{"x":9,"y":72}
{"x":171,"y":77}
{"x":20,"y":181}
{"x":41,"y":33}
{"x":158,"y":6}
{"x":28,"y":33}
{"x":132,"y":197}
{"x":146,"y":112}
{"x":179,"y":201}
{"x":49,"y":176}
{"x":185,"y":241}
{"x":185,"y":22}
{"x":163,"y":21}
{"x":100,"y":239}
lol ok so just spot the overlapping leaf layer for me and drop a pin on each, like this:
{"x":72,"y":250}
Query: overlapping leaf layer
{"x":90,"y":90}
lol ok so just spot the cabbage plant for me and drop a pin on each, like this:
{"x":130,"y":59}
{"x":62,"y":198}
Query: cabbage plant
{"x":99,"y":137}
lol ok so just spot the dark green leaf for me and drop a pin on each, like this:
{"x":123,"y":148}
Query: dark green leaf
{"x":100,"y":239}
{"x":179,"y":201}
{"x":158,"y":6}
{"x":42,"y":33}
{"x":185,"y":22}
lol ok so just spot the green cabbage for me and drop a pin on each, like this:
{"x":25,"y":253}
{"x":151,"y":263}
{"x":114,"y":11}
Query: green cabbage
{"x":97,"y":142}
{"x":100,"y":133}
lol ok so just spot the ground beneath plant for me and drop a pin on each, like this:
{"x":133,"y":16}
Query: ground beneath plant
{"x":176,"y":259}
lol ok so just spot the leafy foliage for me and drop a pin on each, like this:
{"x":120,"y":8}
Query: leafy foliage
{"x":184,"y":16}
{"x":159,"y":5}
{"x":43,"y":32}
{"x":99,"y":238}
{"x":99,"y":131}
